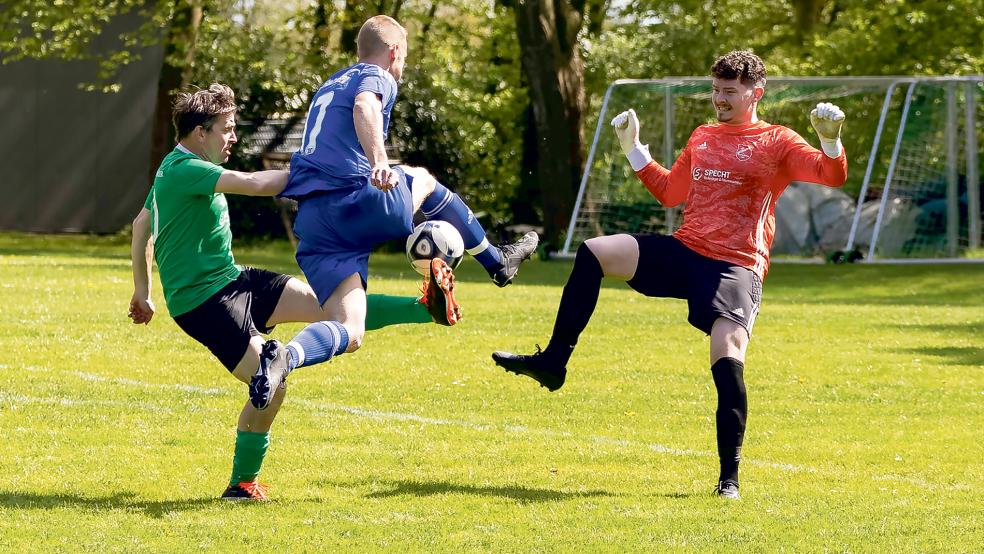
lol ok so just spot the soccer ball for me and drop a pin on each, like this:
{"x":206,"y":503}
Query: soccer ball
{"x":434,"y":239}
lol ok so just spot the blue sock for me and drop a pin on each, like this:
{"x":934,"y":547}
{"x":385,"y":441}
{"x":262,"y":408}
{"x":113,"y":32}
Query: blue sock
{"x":444,"y":205}
{"x":316,"y":343}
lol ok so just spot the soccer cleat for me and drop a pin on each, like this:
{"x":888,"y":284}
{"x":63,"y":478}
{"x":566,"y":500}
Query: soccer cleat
{"x":438,"y":294}
{"x":247,"y":490}
{"x":514,"y":254}
{"x":727,"y":489}
{"x":538,"y":366}
{"x":269,"y":376}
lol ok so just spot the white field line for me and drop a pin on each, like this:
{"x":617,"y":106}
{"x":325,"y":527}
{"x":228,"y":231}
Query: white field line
{"x":131,"y":382}
{"x":7,"y":399}
{"x":380,"y":415}
{"x":524,"y":430}
{"x":414,"y":418}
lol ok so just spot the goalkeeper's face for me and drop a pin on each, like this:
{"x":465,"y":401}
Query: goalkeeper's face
{"x":735,"y":102}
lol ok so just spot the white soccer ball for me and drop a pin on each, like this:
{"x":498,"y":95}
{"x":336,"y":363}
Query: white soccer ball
{"x":434,"y":239}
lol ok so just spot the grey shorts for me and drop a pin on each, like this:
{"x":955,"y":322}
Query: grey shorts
{"x":712,"y":288}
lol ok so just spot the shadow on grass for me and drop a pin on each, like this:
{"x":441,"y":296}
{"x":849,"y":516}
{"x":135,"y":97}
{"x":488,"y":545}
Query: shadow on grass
{"x":522,"y":494}
{"x":975,"y":329}
{"x":953,"y":355}
{"x":126,"y":501}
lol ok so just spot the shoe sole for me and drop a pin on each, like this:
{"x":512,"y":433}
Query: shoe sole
{"x":443,"y":277}
{"x":262,"y":378}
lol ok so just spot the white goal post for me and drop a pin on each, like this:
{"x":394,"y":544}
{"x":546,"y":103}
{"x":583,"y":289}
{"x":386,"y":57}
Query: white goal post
{"x":917,"y":138}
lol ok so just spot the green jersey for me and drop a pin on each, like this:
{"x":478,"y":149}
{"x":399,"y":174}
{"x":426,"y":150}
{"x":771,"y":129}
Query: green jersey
{"x":190,"y":226}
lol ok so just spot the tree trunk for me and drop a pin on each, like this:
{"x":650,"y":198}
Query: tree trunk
{"x":179,"y":50}
{"x":808,"y":14}
{"x":548,"y":32}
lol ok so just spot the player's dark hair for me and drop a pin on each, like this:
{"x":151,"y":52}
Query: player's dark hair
{"x":741,"y":65}
{"x":201,"y":107}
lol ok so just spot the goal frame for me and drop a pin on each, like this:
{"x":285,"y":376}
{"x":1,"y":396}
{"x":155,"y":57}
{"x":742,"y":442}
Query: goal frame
{"x":890,"y":84}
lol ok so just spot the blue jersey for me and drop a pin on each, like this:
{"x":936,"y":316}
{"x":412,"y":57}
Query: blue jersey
{"x":331,"y":157}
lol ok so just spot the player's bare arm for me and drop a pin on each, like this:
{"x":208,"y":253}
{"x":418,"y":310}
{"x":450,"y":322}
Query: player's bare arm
{"x":259,"y":183}
{"x":367,"y":115}
{"x":141,"y":257}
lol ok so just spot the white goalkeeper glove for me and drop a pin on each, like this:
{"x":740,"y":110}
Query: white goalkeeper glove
{"x":827,"y":120}
{"x":626,"y":126}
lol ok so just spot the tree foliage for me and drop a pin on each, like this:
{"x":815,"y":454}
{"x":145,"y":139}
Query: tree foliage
{"x":465,"y":109}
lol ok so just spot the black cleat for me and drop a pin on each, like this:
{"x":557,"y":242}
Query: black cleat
{"x":269,"y":376}
{"x":536,"y":366}
{"x":727,"y":489}
{"x":514,"y":254}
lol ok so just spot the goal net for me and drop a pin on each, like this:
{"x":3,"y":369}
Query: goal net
{"x":913,"y":188}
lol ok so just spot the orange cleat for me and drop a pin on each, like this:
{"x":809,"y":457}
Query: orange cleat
{"x":247,"y":490}
{"x":438,"y":294}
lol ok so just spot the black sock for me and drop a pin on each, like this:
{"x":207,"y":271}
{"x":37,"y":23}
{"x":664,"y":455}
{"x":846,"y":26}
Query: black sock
{"x":732,"y":409}
{"x":576,"y":304}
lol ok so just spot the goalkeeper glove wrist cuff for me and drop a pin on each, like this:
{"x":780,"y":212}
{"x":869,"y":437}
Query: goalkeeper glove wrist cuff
{"x":639,"y":156}
{"x":832,"y":148}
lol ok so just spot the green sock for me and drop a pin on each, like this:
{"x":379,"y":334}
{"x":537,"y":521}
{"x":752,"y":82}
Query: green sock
{"x":250,"y":450}
{"x":383,"y":310}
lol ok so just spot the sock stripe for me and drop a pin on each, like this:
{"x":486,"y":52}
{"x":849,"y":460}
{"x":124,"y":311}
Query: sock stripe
{"x":482,"y":246}
{"x":336,"y":335}
{"x":440,"y":206}
{"x":298,"y":351}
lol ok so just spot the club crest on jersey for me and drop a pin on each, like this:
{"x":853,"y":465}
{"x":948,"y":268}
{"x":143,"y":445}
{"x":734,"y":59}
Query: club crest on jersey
{"x":744,"y":152}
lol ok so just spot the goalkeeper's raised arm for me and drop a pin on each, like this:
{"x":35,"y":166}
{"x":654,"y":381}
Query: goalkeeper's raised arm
{"x":827,"y":166}
{"x":827,"y":120}
{"x":668,"y":186}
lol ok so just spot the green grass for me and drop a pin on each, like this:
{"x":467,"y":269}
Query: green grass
{"x":866,"y":388}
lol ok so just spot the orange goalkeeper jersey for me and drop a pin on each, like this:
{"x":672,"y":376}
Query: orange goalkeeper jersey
{"x":731,"y":177}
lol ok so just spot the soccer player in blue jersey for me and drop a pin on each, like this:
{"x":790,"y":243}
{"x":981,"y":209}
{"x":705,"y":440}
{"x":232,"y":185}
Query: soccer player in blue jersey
{"x":350,"y":199}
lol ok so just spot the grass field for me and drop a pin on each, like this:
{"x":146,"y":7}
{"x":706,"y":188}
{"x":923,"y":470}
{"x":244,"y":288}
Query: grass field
{"x":866,"y":400}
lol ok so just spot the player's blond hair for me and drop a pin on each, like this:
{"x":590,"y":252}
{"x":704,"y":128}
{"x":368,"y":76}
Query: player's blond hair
{"x":201,"y":107}
{"x":378,"y":34}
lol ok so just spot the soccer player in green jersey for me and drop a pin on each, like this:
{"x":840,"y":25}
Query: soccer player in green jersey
{"x":184,"y":224}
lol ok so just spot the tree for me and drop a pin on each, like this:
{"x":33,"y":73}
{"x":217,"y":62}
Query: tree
{"x":179,"y":51}
{"x":549,"y":32}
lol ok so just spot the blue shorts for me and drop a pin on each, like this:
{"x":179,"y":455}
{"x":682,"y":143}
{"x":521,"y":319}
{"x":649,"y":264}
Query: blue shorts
{"x":336,"y":230}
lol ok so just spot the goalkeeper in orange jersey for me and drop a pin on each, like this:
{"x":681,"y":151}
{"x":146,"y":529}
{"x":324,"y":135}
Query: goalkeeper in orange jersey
{"x":730,"y":174}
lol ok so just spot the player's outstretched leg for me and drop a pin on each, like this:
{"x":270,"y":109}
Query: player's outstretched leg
{"x":501,"y":262}
{"x":438,"y":291}
{"x":577,"y":304}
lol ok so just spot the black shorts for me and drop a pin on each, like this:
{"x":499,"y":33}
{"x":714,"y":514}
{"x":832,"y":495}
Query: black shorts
{"x":227,"y":321}
{"x":712,"y":288}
